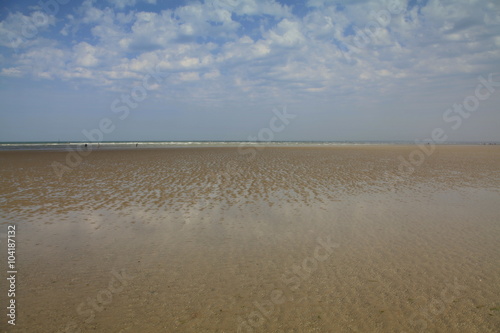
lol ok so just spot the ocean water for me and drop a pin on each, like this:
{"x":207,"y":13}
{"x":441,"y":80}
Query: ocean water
{"x":57,"y":146}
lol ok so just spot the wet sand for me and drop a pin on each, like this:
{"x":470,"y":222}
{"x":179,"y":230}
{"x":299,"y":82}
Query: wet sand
{"x":330,"y":239}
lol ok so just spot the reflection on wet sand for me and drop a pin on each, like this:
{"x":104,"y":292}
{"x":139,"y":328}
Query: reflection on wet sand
{"x":216,"y":242}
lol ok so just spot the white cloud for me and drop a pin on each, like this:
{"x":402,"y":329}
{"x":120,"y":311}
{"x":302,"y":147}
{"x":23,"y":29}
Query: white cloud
{"x":17,"y":30}
{"x":45,"y":62}
{"x":253,"y":7}
{"x":91,"y":14}
{"x":121,"y":4}
{"x":189,"y":76}
{"x":287,"y":33}
{"x":211,"y":75}
{"x":224,"y":44}
{"x":12,"y":72}
{"x":85,"y":55}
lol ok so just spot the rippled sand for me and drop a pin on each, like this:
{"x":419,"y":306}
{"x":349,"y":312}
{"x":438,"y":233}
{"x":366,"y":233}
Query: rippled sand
{"x":331,"y":239}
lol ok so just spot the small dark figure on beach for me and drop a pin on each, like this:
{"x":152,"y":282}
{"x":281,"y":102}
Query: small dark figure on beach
{"x":85,"y":145}
{"x":136,"y":144}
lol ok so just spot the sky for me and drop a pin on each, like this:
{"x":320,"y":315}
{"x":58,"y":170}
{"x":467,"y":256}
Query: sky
{"x":143,"y":70}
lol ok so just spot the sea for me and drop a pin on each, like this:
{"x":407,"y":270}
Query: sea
{"x":113,"y":145}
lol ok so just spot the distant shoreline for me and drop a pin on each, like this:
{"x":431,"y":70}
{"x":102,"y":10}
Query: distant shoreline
{"x":120,"y":145}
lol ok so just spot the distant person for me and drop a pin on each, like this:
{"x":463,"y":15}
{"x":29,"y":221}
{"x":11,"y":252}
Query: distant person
{"x":136,"y":145}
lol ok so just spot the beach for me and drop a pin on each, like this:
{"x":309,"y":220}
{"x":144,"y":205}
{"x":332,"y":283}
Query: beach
{"x":283,"y":239}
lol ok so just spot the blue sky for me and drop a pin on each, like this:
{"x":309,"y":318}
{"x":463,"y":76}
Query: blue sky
{"x":216,"y":69}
